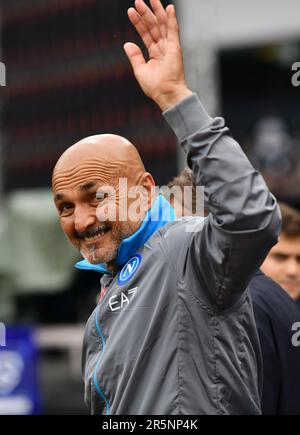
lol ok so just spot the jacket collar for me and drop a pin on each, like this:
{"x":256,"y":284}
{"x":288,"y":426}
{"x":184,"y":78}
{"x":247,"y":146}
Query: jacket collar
{"x":159,"y":215}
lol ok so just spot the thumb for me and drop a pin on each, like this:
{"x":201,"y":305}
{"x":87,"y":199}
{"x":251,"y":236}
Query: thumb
{"x":134,"y":55}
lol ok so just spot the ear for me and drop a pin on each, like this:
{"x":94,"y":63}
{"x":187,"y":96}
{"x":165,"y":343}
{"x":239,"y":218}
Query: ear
{"x":148,"y":183}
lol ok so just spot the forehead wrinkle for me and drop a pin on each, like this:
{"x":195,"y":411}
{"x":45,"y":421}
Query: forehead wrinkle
{"x":81,"y":184}
{"x":87,"y":165}
{"x":89,"y":171}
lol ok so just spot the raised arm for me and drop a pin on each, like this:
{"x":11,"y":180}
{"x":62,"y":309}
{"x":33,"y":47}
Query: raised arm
{"x":221,"y":255}
{"x":161,"y":77}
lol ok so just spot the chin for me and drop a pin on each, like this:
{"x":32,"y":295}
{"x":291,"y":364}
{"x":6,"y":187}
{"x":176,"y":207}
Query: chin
{"x":95,"y":256}
{"x":93,"y":260}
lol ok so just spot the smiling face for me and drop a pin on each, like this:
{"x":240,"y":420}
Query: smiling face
{"x":78,"y":204}
{"x":86,"y":189}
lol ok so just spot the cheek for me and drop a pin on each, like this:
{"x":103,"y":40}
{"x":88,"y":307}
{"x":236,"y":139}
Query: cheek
{"x":105,"y":211}
{"x":120,"y":230}
{"x":268,"y":267}
{"x":67,"y":228}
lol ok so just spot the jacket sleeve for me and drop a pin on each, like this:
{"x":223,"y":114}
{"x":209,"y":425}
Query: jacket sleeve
{"x":244,"y":218}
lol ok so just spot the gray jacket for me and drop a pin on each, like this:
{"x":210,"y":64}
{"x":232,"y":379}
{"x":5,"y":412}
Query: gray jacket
{"x":174,"y":331}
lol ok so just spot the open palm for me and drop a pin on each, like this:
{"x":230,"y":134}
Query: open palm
{"x":162,"y":76}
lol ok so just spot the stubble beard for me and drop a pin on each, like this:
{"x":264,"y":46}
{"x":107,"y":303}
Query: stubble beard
{"x":117,"y":234}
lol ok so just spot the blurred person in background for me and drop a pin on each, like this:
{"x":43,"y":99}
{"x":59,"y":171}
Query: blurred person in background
{"x":283,"y":261}
{"x":273,"y":146}
{"x":174,"y":331}
{"x":275,"y":314}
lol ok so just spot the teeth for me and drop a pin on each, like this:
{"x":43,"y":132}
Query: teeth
{"x":95,"y":238}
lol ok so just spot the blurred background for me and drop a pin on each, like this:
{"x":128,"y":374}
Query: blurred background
{"x":67,"y":77}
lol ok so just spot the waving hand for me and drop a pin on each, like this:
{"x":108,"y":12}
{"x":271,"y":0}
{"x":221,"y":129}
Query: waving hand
{"x":161,"y":77}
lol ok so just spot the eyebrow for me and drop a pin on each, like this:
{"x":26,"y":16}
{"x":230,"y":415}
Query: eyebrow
{"x":87,"y":186}
{"x":83,"y":188}
{"x":59,"y":197}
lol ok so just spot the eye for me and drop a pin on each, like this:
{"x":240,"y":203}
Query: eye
{"x":100,"y":196}
{"x":65,"y":209}
{"x":280,"y":257}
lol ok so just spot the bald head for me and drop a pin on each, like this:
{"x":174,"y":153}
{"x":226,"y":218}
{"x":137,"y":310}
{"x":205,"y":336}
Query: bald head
{"x":105,"y":156}
{"x":96,"y":208}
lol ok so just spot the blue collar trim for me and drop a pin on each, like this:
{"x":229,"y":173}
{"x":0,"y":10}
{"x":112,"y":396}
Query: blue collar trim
{"x":159,"y":215}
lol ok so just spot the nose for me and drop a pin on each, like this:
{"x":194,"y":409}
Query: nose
{"x":292,"y":267}
{"x":84,"y":218}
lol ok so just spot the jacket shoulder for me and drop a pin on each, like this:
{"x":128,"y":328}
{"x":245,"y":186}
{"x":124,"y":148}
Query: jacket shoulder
{"x":272,"y":299}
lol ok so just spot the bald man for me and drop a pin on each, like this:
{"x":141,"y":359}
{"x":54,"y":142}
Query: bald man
{"x":92,"y":169}
{"x":173,"y":332}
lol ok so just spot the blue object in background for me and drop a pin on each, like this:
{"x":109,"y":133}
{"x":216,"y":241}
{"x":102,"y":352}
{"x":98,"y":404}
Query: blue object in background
{"x":19,"y":394}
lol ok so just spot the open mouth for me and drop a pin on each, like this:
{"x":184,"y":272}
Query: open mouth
{"x":95,"y":236}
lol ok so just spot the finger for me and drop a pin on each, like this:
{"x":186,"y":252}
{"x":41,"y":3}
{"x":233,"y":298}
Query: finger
{"x":161,"y":17}
{"x":137,"y":21}
{"x":173,"y":27}
{"x":149,"y":19}
{"x":134,"y":55}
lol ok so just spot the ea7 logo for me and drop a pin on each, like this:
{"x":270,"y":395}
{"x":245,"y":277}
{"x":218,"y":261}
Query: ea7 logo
{"x":296,"y":336}
{"x":117,"y":303}
{"x":2,"y":335}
